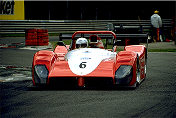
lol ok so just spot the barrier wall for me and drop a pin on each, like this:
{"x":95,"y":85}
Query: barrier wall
{"x":12,"y":10}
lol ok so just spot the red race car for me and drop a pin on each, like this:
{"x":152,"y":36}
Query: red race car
{"x":85,"y":62}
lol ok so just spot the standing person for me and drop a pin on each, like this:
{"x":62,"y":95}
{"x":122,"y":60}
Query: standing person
{"x":156,"y":25}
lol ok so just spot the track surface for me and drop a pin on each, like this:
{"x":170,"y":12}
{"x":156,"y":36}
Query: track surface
{"x":156,"y":97}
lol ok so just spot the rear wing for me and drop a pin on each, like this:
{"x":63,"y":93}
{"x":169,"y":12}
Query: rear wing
{"x":107,"y":36}
{"x":95,"y":32}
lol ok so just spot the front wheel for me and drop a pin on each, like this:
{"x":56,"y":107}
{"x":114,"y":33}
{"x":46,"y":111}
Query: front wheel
{"x":145,"y":68}
{"x":138,"y":74}
{"x":136,"y":84}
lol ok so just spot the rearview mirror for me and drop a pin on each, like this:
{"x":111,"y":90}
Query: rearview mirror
{"x":60,"y":43}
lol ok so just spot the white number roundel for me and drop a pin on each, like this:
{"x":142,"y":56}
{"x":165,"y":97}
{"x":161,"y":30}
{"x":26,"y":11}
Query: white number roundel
{"x":84,"y":61}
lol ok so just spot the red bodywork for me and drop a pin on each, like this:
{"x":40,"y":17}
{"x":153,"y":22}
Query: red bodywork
{"x":58,"y":67}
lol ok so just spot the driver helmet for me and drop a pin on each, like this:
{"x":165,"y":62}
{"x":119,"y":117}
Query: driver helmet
{"x":81,"y":43}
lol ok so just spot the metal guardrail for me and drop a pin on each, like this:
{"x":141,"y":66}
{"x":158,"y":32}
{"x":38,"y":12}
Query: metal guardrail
{"x":65,"y":26}
{"x":60,"y":26}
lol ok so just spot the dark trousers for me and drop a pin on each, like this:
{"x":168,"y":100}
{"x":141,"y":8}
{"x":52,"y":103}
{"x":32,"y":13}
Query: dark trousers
{"x":155,"y":33}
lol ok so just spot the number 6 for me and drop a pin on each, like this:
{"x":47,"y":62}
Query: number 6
{"x":83,"y":65}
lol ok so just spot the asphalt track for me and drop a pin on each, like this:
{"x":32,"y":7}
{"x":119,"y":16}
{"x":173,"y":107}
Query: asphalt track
{"x":156,"y":97}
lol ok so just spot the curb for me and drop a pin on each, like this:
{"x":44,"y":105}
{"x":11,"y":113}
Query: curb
{"x":14,"y":67}
{"x":22,"y":46}
{"x":12,"y":45}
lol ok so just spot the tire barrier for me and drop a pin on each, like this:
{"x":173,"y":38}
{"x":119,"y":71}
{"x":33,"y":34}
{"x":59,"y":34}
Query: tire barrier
{"x":42,"y":37}
{"x":36,"y":37}
{"x":31,"y":37}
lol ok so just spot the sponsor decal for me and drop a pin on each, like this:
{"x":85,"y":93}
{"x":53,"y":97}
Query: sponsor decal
{"x":85,"y":58}
{"x":7,"y":7}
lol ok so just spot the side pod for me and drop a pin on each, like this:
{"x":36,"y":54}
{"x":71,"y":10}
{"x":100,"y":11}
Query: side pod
{"x":41,"y":66}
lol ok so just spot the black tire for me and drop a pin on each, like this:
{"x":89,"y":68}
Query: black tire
{"x":146,"y":63}
{"x":136,"y":85}
{"x":138,"y":73}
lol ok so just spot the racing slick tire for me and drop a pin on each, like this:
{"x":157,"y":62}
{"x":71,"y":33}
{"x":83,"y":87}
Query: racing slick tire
{"x":145,"y":64}
{"x":136,"y":85}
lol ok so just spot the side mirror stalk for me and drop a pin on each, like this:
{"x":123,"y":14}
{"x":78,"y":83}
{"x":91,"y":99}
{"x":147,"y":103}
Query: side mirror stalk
{"x":61,"y":43}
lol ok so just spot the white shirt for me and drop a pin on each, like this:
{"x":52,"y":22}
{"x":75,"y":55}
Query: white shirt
{"x":156,"y":21}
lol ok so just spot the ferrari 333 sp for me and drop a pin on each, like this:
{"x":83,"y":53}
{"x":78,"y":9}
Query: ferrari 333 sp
{"x":90,"y":66}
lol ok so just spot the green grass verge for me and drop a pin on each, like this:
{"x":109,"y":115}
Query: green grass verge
{"x":54,"y":43}
{"x":68,"y":42}
{"x":12,"y":35}
{"x":161,"y":50}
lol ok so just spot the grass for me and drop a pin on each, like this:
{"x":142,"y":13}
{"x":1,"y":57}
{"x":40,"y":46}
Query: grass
{"x":162,"y":50}
{"x":54,"y":43}
{"x":12,"y":35}
{"x":68,"y":42}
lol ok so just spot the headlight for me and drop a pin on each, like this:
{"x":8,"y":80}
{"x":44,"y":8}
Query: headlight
{"x":124,"y":74}
{"x":40,"y":74}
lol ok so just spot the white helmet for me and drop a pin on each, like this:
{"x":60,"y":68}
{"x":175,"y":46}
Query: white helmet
{"x":81,"y":43}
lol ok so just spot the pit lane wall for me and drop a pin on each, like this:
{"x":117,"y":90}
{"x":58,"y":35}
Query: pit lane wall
{"x":12,"y":10}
